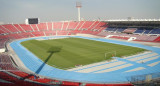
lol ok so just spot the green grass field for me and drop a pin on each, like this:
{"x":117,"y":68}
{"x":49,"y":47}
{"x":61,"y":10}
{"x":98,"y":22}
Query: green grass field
{"x":68,"y":52}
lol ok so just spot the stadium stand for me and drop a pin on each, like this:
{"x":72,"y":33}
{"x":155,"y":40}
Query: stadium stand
{"x":130,"y":30}
{"x":9,"y":80}
{"x":19,"y":27}
{"x":108,"y":85}
{"x":34,"y":27}
{"x":49,"y":25}
{"x":72,"y":25}
{"x":111,"y":29}
{"x":42,"y":27}
{"x":147,"y":31}
{"x":140,"y":37}
{"x":65,"y":26}
{"x":3,"y":42}
{"x":157,"y":39}
{"x":10,"y":75}
{"x":26,"y":27}
{"x":155,"y":31}
{"x":120,"y":29}
{"x":11,"y":28}
{"x":4,"y":29}
{"x":139,"y":31}
{"x":86,"y":27}
{"x":57,"y":25}
{"x":119,"y":37}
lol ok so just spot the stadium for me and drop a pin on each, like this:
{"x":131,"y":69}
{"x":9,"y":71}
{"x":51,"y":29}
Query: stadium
{"x":122,"y":52}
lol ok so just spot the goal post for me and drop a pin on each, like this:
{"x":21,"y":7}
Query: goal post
{"x":109,"y":54}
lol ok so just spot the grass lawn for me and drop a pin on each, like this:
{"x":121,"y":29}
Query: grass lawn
{"x":68,"y":52}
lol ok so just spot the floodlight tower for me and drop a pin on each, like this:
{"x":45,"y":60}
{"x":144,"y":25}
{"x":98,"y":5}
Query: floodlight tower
{"x":78,"y":5}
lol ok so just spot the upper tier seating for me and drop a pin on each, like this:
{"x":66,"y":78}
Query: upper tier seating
{"x":111,"y":29}
{"x":57,"y":25}
{"x":122,"y":35}
{"x":120,"y":29}
{"x":42,"y":27}
{"x":26,"y":27}
{"x":2,"y":42}
{"x":11,"y":28}
{"x":17,"y":31}
{"x":147,"y":31}
{"x":141,"y":34}
{"x":139,"y":30}
{"x":130,"y":30}
{"x":157,"y":39}
{"x":155,"y":31}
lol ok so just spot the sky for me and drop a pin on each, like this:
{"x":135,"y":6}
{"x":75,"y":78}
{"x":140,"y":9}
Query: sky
{"x":16,"y":11}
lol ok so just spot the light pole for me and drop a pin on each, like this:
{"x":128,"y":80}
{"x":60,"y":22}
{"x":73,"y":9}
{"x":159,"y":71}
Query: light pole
{"x":78,"y":5}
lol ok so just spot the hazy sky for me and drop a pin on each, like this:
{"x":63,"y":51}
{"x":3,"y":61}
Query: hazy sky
{"x":17,"y":11}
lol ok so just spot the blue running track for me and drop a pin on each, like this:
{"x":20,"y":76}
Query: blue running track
{"x":118,"y":76}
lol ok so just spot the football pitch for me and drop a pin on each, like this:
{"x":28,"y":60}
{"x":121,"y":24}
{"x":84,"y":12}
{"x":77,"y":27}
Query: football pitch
{"x":68,"y":52}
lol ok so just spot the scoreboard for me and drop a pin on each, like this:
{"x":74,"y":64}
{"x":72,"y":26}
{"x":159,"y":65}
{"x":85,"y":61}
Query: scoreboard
{"x":32,"y":21}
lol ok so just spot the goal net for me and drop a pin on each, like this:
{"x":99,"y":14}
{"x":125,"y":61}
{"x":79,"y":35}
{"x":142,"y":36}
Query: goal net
{"x":108,"y":55}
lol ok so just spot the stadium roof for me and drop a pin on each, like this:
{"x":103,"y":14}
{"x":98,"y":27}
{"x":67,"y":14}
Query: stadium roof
{"x":133,"y":20}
